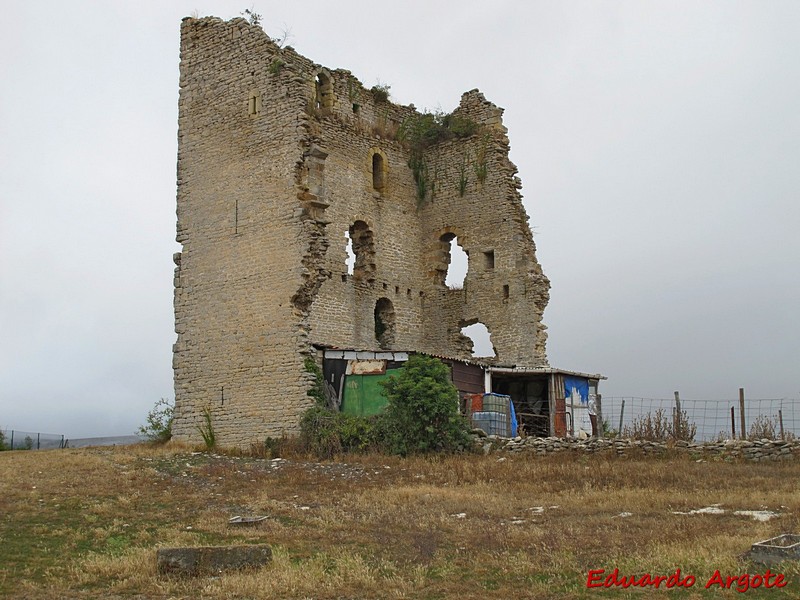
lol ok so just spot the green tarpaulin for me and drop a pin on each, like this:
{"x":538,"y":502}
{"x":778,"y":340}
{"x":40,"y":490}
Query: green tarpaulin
{"x":363,"y":396}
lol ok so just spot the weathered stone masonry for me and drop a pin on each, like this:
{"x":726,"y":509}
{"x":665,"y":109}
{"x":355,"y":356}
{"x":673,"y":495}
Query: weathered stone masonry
{"x":278,"y":159}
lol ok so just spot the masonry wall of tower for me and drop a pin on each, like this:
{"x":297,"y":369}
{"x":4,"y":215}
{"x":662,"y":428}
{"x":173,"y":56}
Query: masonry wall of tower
{"x":280,"y":158}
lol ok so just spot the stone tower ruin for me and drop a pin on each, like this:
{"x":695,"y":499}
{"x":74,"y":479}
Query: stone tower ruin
{"x":281,"y":161}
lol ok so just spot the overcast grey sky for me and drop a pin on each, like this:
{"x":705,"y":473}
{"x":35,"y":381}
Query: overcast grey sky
{"x":657,"y":142}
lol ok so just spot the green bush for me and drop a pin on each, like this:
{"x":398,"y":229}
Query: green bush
{"x":326,"y":432}
{"x":422,"y":414}
{"x":3,"y":441}
{"x":158,"y":427}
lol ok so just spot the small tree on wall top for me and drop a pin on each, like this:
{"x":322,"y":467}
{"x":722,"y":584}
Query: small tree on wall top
{"x":422,"y":413}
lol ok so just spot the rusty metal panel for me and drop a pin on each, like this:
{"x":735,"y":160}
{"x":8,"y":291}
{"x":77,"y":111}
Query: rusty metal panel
{"x":366,"y":367}
{"x":467,"y":378}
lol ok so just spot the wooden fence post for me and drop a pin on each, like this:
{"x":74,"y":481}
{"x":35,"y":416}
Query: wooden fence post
{"x":733,"y":423}
{"x":599,"y":415}
{"x":743,"y":427}
{"x":780,"y":422}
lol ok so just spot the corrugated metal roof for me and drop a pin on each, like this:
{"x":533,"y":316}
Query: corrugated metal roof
{"x":353,"y":354}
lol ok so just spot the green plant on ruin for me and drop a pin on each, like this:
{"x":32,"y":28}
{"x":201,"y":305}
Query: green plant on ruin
{"x":3,"y":441}
{"x":481,"y":165}
{"x":433,"y":182}
{"x":419,"y":169}
{"x":420,"y":131}
{"x":276,"y":65}
{"x":317,"y":389}
{"x":207,"y":430}
{"x":252,"y":16}
{"x":158,"y":424}
{"x":462,"y":177}
{"x":422,"y":413}
{"x":380,"y":92}
{"x":428,"y":128}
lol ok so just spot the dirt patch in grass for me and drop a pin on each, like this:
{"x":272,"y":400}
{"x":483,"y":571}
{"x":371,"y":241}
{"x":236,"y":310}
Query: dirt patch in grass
{"x":86,"y":523}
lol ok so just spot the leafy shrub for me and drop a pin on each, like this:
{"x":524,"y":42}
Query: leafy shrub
{"x":158,"y":427}
{"x":658,"y":428}
{"x":326,"y":432}
{"x":3,"y":441}
{"x":422,"y":414}
{"x":380,"y":92}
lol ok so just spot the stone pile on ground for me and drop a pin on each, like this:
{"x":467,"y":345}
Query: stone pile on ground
{"x":755,"y":450}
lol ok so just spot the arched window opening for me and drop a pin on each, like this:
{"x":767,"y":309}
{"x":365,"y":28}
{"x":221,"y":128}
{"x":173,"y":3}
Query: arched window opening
{"x":350,"y":261}
{"x":481,"y":340}
{"x":324,"y":91}
{"x":457,"y":261}
{"x":378,"y":172}
{"x":363,"y":248}
{"x":384,"y":323}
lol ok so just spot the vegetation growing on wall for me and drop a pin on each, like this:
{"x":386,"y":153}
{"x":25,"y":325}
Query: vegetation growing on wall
{"x":207,"y":430}
{"x":317,"y":389}
{"x":380,"y":92}
{"x":422,"y":131}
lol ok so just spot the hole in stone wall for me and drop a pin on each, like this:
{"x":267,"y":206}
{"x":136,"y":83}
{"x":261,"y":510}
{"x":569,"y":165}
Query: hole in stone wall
{"x":363,"y":248}
{"x":481,"y":340}
{"x":378,"y":168}
{"x":489,"y":259}
{"x":350,"y":261}
{"x":505,"y":292}
{"x":324,"y":91}
{"x":458,"y":263}
{"x":384,"y":322}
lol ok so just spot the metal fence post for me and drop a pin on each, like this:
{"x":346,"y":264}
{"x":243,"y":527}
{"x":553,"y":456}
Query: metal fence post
{"x":599,"y":415}
{"x":677,"y":422}
{"x":621,"y":413}
{"x":780,"y":423}
{"x":743,"y":430}
{"x":733,"y":423}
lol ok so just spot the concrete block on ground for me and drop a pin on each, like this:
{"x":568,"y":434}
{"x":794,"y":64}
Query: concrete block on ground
{"x":212,"y":560}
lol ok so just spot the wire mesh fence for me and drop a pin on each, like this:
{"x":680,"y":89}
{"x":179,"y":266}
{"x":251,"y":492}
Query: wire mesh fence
{"x":13,"y":439}
{"x":702,"y":420}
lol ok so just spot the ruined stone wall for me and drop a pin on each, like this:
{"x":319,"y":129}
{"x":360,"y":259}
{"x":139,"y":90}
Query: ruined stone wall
{"x":238,"y":331}
{"x":278,"y":158}
{"x":505,"y":288}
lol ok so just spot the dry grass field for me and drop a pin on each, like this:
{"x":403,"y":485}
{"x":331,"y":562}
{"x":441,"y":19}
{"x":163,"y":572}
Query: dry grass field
{"x":86,"y":523}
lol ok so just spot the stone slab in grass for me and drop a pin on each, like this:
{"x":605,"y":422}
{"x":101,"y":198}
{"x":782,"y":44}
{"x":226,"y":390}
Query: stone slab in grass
{"x":776,"y":550}
{"x":212,"y":560}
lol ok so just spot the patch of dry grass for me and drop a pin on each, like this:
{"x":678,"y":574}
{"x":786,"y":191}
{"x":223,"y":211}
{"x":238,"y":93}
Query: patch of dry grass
{"x":85,"y":523}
